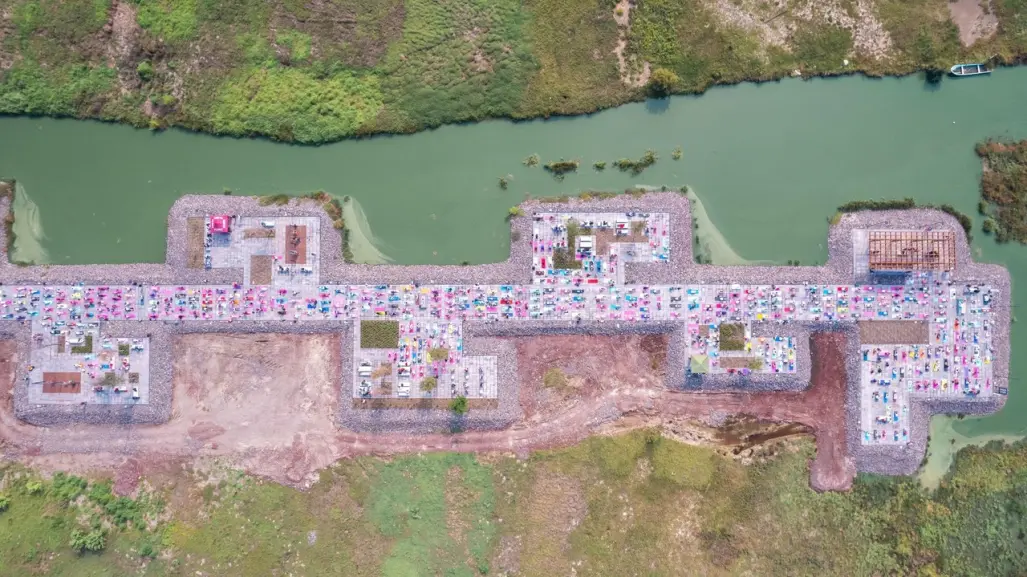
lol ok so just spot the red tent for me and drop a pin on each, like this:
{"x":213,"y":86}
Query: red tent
{"x":221,"y":224}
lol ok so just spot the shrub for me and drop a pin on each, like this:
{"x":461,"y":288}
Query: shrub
{"x":676,"y":155}
{"x":93,"y":541}
{"x":531,"y":160}
{"x":636,"y":167}
{"x":459,"y":405}
{"x":662,"y":83}
{"x":600,"y":165}
{"x":5,"y":502}
{"x":562,"y":167}
{"x":858,"y":205}
{"x":145,"y":71}
{"x":124,"y":349}
{"x":274,"y":200}
{"x":515,"y":211}
{"x":503,"y":182}
{"x":438,"y":353}
{"x":429,"y":384}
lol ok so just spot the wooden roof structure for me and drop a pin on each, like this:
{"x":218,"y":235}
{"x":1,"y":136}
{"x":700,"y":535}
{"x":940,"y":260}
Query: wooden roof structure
{"x":912,"y":250}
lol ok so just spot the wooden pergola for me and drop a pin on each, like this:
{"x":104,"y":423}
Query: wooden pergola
{"x":912,"y":250}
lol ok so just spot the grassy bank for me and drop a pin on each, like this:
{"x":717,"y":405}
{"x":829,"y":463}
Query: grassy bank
{"x":318,"y":71}
{"x":605,"y":507}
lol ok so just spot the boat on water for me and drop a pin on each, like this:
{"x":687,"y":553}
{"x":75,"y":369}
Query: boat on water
{"x":968,"y":70}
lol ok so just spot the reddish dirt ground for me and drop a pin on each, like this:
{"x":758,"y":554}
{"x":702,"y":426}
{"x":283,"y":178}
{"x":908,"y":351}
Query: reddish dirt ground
{"x":592,"y":364}
{"x":238,"y":399}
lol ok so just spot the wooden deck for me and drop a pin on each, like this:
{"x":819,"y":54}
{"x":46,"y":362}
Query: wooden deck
{"x":912,"y":250}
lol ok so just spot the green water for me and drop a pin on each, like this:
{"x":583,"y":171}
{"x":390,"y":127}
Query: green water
{"x":770,"y":162}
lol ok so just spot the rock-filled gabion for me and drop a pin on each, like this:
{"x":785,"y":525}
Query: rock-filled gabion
{"x":493,"y":338}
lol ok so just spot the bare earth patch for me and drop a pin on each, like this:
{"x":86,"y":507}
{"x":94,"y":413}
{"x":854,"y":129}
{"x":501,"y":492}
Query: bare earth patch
{"x":973,"y":21}
{"x":124,"y":44}
{"x":6,"y":59}
{"x":271,"y":397}
{"x":266,"y":403}
{"x":776,"y":21}
{"x":593,"y":365}
{"x":627,"y":68}
{"x":194,"y":242}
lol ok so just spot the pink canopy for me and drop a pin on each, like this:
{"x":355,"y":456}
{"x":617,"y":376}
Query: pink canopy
{"x":221,"y":224}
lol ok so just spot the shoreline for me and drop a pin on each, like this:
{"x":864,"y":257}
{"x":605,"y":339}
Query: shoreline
{"x":639,"y":96}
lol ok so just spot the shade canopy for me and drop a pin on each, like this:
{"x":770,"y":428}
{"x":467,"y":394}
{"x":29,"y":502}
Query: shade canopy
{"x":221,"y":224}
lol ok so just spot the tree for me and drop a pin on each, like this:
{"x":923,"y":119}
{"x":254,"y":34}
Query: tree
{"x":459,"y":405}
{"x":429,"y":384}
{"x":662,"y":82}
{"x":5,"y":502}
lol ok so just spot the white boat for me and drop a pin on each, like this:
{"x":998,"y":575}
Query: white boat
{"x":968,"y":70}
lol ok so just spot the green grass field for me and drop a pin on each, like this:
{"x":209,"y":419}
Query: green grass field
{"x":313,"y":72}
{"x":609,"y":506}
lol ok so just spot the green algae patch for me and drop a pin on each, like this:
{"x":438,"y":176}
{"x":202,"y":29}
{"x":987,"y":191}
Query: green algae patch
{"x":293,"y":105}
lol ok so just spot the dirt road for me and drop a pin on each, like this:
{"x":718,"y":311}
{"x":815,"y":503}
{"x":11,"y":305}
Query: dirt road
{"x":280,"y":426}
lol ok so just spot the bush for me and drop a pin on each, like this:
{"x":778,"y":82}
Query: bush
{"x":600,"y":165}
{"x":662,"y":83}
{"x":459,"y":405}
{"x":858,"y":205}
{"x":273,"y":200}
{"x":93,"y":541}
{"x":429,"y":384}
{"x":145,"y":71}
{"x":124,"y":349}
{"x":5,"y":502}
{"x":562,"y":167}
{"x":636,"y":167}
{"x":438,"y":354}
{"x":515,"y":211}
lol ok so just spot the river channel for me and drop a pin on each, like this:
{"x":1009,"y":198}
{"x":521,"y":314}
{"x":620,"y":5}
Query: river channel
{"x":769,"y":162}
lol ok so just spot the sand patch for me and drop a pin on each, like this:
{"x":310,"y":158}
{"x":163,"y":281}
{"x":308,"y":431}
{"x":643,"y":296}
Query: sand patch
{"x":975,"y":20}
